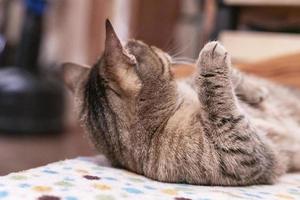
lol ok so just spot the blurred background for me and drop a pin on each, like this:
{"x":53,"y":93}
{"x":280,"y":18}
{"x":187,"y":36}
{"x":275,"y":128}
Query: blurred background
{"x":37,"y":120}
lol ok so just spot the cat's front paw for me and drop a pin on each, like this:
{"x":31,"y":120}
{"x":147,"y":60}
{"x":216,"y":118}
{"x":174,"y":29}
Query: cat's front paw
{"x":213,"y":58}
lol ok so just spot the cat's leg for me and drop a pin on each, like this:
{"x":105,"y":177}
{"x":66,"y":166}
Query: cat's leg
{"x":248,"y":88}
{"x":243,"y":156}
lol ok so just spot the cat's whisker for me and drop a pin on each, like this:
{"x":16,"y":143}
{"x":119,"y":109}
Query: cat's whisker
{"x":173,"y":48}
{"x":178,"y":53}
{"x":183,"y":60}
{"x":179,"y":49}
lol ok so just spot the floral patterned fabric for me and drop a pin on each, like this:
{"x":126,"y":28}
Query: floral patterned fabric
{"x":85,"y":178}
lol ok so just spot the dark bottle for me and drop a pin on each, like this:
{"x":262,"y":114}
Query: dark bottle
{"x":7,"y":49}
{"x":30,"y":103}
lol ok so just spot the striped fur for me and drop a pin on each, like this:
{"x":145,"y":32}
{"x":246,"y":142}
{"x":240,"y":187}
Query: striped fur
{"x":223,"y":130}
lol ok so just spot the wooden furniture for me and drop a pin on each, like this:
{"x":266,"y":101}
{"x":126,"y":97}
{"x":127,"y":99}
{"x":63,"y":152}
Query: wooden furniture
{"x":258,"y":15}
{"x":154,"y":22}
{"x":282,"y":69}
{"x":263,"y":38}
{"x":250,"y":46}
{"x":263,"y":2}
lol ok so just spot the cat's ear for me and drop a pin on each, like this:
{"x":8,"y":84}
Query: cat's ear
{"x":114,"y":52}
{"x":72,"y":73}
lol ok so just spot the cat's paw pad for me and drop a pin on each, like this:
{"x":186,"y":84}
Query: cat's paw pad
{"x":213,"y":56}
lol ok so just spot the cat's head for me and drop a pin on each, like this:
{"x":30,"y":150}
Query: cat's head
{"x":123,"y":69}
{"x":119,"y":92}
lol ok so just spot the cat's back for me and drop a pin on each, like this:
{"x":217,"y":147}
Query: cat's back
{"x":280,"y":102}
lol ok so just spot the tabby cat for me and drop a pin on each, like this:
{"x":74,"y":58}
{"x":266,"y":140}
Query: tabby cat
{"x":220,"y":127}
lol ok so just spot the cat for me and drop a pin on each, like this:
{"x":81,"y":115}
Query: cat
{"x":220,"y":127}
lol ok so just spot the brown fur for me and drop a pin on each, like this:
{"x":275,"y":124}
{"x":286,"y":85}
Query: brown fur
{"x":220,"y":127}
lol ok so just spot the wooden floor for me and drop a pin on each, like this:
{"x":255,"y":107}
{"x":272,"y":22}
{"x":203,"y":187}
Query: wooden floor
{"x":23,"y":153}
